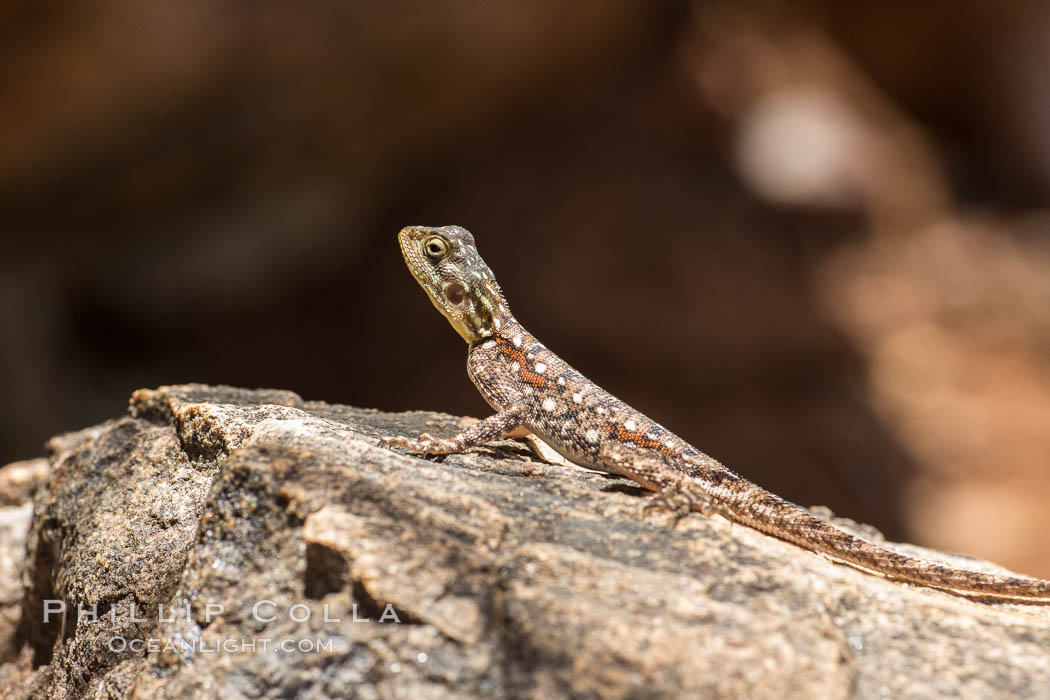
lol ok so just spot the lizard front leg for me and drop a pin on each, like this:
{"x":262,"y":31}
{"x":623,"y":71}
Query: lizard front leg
{"x":491,"y":428}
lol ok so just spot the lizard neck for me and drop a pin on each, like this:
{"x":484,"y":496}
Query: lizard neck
{"x":491,"y":315}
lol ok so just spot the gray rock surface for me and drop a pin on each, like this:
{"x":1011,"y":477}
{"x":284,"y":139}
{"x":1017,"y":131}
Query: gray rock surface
{"x":295,"y":558}
{"x":14,"y":525}
{"x":18,"y":482}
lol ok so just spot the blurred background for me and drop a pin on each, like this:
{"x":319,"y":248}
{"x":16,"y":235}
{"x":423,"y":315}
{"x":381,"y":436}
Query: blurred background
{"x":811,"y":237}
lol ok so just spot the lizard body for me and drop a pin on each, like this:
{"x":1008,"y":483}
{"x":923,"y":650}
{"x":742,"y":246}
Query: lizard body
{"x":529,"y":386}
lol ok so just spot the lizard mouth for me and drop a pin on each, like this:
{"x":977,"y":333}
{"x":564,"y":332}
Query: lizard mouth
{"x":409,"y":252}
{"x":421,"y":271}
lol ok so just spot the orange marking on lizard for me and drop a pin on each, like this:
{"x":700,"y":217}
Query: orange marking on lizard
{"x":639,"y":438}
{"x":524,"y":368}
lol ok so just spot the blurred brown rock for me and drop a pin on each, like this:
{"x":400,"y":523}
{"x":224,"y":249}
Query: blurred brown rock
{"x":19,"y":480}
{"x":948,"y":306}
{"x":954,"y":319}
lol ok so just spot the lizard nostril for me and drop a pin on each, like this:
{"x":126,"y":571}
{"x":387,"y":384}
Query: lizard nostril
{"x":454,"y":292}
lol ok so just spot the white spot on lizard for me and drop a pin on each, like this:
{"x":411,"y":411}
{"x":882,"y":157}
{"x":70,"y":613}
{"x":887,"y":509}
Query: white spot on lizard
{"x":577,"y":397}
{"x":548,"y":404}
{"x":540,"y":368}
{"x":592,"y":435}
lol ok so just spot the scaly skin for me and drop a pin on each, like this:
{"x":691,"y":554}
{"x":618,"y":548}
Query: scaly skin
{"x":530,"y":386}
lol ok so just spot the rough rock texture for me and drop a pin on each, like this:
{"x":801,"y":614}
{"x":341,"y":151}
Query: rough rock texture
{"x":253,"y":515}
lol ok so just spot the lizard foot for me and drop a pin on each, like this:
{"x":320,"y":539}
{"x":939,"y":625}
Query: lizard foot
{"x":678,"y":503}
{"x":425,"y":444}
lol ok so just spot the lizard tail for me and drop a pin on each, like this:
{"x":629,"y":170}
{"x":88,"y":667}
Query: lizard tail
{"x":768,"y":513}
{"x":706,"y":485}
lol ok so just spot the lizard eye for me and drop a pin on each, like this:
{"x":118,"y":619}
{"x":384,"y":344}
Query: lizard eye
{"x":435,"y":248}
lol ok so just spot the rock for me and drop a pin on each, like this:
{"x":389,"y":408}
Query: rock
{"x":14,"y":525}
{"x":293,"y":557}
{"x":19,"y":480}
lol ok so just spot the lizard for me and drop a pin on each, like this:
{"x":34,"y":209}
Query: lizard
{"x":531,"y":388}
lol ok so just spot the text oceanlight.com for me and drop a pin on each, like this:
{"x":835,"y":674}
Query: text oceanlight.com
{"x":232,"y":645}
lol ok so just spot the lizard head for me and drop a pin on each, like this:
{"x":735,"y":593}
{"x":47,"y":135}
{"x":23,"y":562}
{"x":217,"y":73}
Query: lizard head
{"x":446,"y":264}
